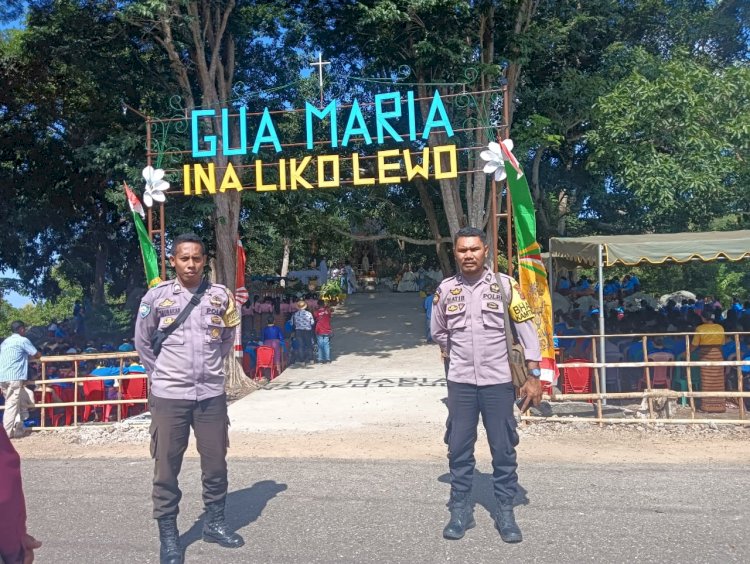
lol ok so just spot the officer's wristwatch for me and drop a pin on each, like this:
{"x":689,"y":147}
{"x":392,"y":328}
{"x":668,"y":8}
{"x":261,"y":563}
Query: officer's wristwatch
{"x":535,"y":373}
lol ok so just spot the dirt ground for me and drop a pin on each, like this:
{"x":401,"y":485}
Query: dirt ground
{"x":539,"y":442}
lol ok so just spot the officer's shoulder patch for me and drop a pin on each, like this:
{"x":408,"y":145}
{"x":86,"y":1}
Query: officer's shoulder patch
{"x":436,"y":297}
{"x":145,"y":310}
{"x":231,"y":315}
{"x":520,"y":310}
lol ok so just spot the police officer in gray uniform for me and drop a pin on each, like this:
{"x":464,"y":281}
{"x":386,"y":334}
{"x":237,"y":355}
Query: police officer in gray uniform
{"x":468,"y":324}
{"x":187,"y":390}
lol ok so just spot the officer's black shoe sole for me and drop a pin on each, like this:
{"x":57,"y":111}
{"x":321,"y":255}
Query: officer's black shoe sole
{"x":458,"y":535}
{"x":221,"y":542}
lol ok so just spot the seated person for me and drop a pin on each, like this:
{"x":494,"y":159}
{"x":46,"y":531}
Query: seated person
{"x":273,"y":337}
{"x":563,"y":286}
{"x":583,"y":287}
{"x":611,"y":289}
{"x":628,"y":285}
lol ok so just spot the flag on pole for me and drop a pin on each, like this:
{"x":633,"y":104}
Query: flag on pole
{"x":240,"y":295}
{"x":532,"y":272}
{"x":148,"y":253}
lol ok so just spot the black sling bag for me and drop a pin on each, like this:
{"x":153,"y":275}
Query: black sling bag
{"x":160,"y":335}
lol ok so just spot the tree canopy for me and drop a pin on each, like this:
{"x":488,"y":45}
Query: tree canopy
{"x":627,"y":117}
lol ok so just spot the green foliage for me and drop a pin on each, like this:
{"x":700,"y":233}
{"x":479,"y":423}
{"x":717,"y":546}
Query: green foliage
{"x":43,"y":312}
{"x":331,"y":290}
{"x":676,"y":135}
{"x":629,"y":117}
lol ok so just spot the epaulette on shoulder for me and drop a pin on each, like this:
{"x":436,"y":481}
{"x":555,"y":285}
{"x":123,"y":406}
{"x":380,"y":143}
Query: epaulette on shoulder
{"x":164,"y":283}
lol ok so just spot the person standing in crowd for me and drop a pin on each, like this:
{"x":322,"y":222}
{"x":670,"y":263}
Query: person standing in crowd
{"x":303,"y":322}
{"x":323,"y":269}
{"x":273,"y":337}
{"x":15,"y":352}
{"x":16,"y":545}
{"x":427,"y":305}
{"x":468,"y":323}
{"x":350,"y":277}
{"x":323,"y":331}
{"x":187,"y":390}
{"x":710,"y":337}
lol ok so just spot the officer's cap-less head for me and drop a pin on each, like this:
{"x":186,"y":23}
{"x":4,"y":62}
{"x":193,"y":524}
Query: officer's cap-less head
{"x":188,"y":259}
{"x":470,"y":249}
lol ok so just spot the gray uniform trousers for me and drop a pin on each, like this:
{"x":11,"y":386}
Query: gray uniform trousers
{"x":171,"y":420}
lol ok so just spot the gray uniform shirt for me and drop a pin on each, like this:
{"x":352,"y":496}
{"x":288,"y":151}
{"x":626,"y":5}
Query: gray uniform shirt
{"x":468,"y":322}
{"x":190,"y":365}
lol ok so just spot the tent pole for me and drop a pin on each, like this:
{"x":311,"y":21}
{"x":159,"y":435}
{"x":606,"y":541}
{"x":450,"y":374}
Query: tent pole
{"x":602,"y":357}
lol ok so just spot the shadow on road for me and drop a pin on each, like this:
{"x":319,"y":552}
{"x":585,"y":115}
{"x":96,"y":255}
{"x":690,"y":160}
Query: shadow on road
{"x":375,"y":325}
{"x":243,"y":507}
{"x":483,"y":493}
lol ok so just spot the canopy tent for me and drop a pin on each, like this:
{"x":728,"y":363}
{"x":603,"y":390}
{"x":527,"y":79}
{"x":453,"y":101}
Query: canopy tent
{"x":632,"y":250}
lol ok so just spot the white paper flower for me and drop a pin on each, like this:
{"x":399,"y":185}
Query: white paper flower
{"x":155,"y":186}
{"x":496,"y":159}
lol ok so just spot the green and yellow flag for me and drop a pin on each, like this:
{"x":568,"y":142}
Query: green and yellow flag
{"x":148,"y":253}
{"x":532,"y":273}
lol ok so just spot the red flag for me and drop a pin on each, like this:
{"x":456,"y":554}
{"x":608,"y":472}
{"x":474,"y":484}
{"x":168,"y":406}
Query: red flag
{"x":240,"y":293}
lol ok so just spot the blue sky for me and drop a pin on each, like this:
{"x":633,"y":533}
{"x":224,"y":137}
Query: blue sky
{"x":13,"y":298}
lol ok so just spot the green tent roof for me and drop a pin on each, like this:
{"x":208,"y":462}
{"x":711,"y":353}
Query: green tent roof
{"x":631,"y":250}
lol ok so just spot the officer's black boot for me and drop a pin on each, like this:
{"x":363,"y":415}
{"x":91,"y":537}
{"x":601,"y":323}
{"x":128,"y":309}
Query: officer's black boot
{"x":506,"y":524}
{"x":462,"y":516}
{"x":170,"y":551}
{"x":215,"y":528}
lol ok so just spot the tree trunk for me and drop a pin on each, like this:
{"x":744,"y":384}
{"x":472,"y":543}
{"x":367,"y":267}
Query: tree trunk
{"x":285,"y":259}
{"x":537,"y":195}
{"x":100,"y":271}
{"x":429,"y":208}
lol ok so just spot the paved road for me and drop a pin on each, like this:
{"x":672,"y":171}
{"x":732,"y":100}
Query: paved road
{"x":309,"y":511}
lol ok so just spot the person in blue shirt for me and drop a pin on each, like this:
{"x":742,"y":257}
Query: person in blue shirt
{"x":563,"y":286}
{"x":427,"y":304}
{"x":273,"y":337}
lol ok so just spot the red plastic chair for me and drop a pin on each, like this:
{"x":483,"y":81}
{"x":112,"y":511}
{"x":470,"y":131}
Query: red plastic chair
{"x":66,"y":395}
{"x":577,"y":379}
{"x":661,"y":376}
{"x":264,"y":359}
{"x":133,"y":388}
{"x":94,"y":390}
{"x":49,"y":412}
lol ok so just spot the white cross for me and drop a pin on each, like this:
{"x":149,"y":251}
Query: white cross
{"x":320,"y":63}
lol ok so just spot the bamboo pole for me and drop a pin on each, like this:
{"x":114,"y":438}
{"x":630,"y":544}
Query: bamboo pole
{"x":654,"y":393}
{"x":647,"y":373}
{"x":597,"y":385}
{"x":44,"y":397}
{"x":737,"y":354}
{"x":689,"y":376}
{"x":75,"y":393}
{"x":119,"y":391}
{"x":743,"y":422}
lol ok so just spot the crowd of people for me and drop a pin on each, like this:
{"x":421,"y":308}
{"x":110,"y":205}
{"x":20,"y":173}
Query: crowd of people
{"x":631,"y":312}
{"x":300,"y":336}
